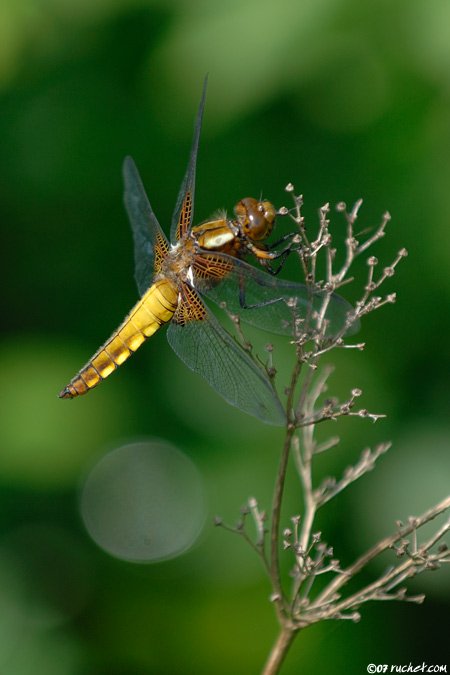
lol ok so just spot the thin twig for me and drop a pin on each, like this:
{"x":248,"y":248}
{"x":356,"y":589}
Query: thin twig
{"x":381,"y":546}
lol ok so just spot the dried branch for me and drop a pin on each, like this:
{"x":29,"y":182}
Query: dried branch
{"x":387,"y":543}
{"x":329,"y":488}
{"x":315,"y":334}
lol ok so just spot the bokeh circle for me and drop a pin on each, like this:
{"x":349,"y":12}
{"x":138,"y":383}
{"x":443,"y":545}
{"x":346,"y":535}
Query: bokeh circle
{"x":143,"y":502}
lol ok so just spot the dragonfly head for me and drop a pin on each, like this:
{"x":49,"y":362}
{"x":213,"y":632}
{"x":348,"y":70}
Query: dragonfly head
{"x":255,"y":218}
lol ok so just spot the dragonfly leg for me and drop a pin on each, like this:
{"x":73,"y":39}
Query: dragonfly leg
{"x":268,"y":254}
{"x":280,"y":257}
{"x":257,"y":305}
{"x":285,"y":237}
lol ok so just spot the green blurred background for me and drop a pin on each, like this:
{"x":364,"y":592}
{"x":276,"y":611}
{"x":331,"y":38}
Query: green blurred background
{"x":346,"y":99}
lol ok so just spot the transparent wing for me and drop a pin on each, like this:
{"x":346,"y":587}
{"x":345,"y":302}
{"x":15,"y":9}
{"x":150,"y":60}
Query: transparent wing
{"x":150,"y":243}
{"x":184,"y":208}
{"x":206,"y":348}
{"x":267,"y":302}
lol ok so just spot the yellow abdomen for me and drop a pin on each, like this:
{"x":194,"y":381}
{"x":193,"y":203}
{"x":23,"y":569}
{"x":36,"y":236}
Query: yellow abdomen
{"x":153,"y":310}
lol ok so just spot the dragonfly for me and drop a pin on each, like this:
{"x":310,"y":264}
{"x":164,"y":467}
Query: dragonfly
{"x":205,"y":261}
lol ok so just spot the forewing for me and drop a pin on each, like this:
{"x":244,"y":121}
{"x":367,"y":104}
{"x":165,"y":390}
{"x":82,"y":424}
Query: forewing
{"x":150,"y":243}
{"x":267,"y":302}
{"x":184,"y":208}
{"x":206,"y":348}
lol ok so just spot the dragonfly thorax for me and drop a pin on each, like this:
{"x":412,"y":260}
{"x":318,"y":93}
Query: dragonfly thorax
{"x":215,"y":235}
{"x":177,"y":264}
{"x":245,"y":233}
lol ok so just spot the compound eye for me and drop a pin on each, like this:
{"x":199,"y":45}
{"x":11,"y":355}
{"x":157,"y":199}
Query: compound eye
{"x":239,"y":210}
{"x":255,"y":218}
{"x":269,"y":211}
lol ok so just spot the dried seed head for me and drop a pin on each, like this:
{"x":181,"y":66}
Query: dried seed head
{"x":289,"y":187}
{"x":372,"y":261}
{"x":432,"y":565}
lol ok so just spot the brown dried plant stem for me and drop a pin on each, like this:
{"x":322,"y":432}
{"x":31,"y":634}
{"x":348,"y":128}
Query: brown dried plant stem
{"x":383,"y":545}
{"x":288,"y":630}
{"x":301,"y":603}
{"x":279,"y":650}
{"x":277,"y":594}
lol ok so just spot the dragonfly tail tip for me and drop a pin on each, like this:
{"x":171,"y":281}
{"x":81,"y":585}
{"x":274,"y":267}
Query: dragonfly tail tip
{"x":65,"y":393}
